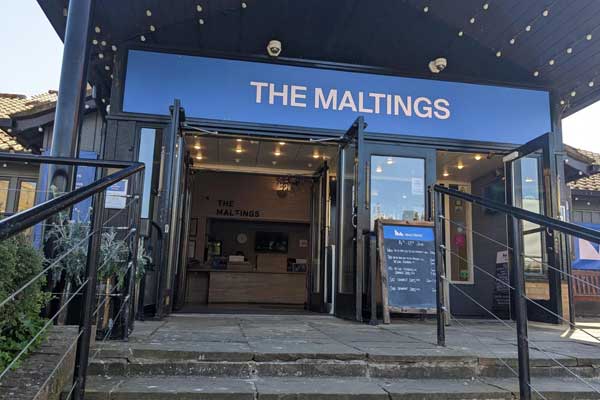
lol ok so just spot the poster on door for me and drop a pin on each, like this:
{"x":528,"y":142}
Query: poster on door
{"x":116,"y":196}
{"x":587,"y":254}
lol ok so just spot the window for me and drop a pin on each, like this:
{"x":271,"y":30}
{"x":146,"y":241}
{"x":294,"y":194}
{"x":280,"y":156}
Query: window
{"x":459,"y":236}
{"x":146,"y":155}
{"x":528,"y":191}
{"x":26,"y":195}
{"x":397,"y":188}
{"x":4,"y":184}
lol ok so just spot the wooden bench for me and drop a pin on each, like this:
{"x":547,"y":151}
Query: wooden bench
{"x":586,"y":285}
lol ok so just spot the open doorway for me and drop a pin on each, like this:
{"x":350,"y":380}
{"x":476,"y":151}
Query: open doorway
{"x":256,"y":233}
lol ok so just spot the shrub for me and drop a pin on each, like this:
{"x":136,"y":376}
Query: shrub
{"x":20,"y":318}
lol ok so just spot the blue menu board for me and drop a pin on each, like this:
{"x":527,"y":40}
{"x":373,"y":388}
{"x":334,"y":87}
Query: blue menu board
{"x":407,"y":265}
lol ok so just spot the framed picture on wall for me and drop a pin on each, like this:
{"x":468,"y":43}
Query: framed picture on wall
{"x":193,"y":227}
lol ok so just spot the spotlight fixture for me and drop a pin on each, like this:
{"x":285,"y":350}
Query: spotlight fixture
{"x":197,"y":146}
{"x":379,"y":169}
{"x":315,"y":154}
{"x":282,"y":143}
{"x":460,"y":166}
{"x":199,"y":157}
{"x":478,"y":157}
{"x":446,"y":174}
{"x":389,"y":161}
{"x":277,"y":152}
{"x":239,"y":149}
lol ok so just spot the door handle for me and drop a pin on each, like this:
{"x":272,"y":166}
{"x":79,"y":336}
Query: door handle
{"x":161,"y":170}
{"x":367,"y":184}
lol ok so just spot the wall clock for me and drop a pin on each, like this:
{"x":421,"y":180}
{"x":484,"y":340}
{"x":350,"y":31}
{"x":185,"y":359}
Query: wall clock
{"x":241,"y":238}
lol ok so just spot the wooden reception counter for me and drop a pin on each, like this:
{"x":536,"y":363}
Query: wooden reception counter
{"x":225,"y":286}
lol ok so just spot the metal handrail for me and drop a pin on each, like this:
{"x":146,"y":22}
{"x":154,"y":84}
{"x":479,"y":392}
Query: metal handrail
{"x":83,"y":162}
{"x":514,"y":215}
{"x":27,"y":218}
{"x":538,"y":219}
{"x":34,"y":215}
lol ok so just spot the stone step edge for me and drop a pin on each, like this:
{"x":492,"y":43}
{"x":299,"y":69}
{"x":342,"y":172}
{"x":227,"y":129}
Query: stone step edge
{"x":187,"y":356}
{"x":327,"y":368}
{"x":157,"y":387}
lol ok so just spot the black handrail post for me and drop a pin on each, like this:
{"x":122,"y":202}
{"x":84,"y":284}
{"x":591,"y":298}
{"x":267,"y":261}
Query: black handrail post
{"x":439,"y":269}
{"x":72,"y":89}
{"x":372,"y":243}
{"x":520,"y":312}
{"x":89,"y":297}
{"x":134,"y":221}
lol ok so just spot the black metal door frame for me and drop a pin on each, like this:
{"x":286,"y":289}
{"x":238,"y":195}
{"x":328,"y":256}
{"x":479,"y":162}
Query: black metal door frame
{"x":370,"y":149}
{"x":167,"y":198}
{"x":543,"y":147}
{"x":317,"y":292}
{"x":349,"y":305}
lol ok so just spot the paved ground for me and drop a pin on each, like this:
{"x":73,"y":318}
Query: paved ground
{"x":318,"y":334}
{"x":305,"y":357}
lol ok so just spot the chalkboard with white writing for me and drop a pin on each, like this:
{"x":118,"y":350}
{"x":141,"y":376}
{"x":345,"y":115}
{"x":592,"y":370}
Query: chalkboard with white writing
{"x":407,"y":266}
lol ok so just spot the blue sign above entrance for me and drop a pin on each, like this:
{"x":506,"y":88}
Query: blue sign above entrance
{"x":264,"y":93}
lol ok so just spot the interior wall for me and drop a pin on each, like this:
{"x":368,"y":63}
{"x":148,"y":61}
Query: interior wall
{"x":492,"y":225}
{"x":243,"y":197}
{"x":227,"y":231}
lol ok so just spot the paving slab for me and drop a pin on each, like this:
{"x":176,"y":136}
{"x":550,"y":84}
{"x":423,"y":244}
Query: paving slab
{"x":445,"y":390}
{"x":330,"y":389}
{"x":201,"y":388}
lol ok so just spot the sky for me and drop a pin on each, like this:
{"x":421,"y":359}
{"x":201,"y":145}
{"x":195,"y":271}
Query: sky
{"x":35,"y":57}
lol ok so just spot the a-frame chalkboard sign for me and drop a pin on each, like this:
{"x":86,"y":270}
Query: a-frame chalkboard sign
{"x":406,"y":258}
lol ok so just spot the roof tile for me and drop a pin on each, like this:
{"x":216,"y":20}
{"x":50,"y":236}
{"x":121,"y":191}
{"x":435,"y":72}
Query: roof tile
{"x":592,"y":182}
{"x":13,"y":104}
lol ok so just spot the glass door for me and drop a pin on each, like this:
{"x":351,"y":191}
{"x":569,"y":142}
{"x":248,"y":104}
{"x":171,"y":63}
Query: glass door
{"x":530,"y":175}
{"x":398,"y":178}
{"x":350,"y":260}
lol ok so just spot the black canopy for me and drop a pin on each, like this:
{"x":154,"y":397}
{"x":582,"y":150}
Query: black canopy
{"x":551,"y":44}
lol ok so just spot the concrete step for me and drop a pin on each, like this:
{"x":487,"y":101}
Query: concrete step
{"x":209,"y":359}
{"x":204,"y":388}
{"x":144,"y":362}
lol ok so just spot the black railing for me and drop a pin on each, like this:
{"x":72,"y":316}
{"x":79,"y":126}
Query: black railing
{"x":514,"y":216}
{"x":89,"y":308}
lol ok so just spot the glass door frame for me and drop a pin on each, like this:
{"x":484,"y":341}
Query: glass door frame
{"x":170,"y":206}
{"x":348,"y":304}
{"x":398,"y":150}
{"x":317,"y":284}
{"x":544,"y":148}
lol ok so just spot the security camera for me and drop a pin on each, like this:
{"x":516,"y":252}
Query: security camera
{"x":274,"y":48}
{"x":438,"y":65}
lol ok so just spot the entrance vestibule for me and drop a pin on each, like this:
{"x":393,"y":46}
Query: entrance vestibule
{"x":254,"y":225}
